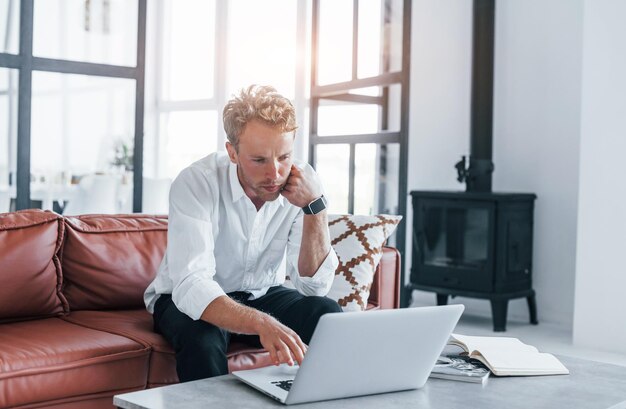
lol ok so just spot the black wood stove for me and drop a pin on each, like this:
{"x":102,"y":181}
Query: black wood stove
{"x":476,"y":243}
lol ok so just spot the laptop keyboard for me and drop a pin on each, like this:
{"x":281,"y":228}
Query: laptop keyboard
{"x":286,"y":385}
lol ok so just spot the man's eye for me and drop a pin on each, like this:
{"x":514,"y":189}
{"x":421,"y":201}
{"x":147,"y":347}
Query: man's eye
{"x":259,"y":160}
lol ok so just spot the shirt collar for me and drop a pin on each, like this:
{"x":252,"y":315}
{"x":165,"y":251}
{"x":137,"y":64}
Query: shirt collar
{"x":235,"y":186}
{"x":237,"y":190}
{"x":280,"y":200}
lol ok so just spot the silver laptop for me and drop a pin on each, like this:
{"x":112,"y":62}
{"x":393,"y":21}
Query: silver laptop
{"x":356,"y":353}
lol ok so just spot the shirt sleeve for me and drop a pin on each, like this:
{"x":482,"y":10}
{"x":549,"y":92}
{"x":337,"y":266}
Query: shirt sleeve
{"x":321,"y":281}
{"x":190,"y":244}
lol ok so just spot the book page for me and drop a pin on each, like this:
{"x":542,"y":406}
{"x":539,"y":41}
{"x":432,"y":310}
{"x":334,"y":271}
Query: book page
{"x":510,"y":356}
{"x":492,"y":343}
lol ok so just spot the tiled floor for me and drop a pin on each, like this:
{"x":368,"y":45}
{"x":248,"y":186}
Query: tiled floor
{"x":546,"y":337}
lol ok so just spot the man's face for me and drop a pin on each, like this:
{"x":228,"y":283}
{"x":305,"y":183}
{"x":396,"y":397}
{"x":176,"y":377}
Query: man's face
{"x":263,"y":158}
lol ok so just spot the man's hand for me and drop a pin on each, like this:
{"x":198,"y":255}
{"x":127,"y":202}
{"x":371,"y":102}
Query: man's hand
{"x":301,"y":189}
{"x":283,"y":344}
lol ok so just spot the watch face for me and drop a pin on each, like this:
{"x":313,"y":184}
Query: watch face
{"x":318,"y":205}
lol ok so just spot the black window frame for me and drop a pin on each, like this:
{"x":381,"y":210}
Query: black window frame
{"x":340,"y":91}
{"x":25,"y":63}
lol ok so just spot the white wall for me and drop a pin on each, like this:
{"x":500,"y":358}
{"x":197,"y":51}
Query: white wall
{"x":439,"y":101}
{"x":440,"y":92}
{"x":600,"y":310}
{"x":536,"y":125}
{"x":536,"y":137}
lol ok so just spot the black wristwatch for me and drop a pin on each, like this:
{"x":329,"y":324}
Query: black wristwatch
{"x":315,"y":206}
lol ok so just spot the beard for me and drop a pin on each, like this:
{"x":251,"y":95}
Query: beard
{"x":266,"y":195}
{"x":259,"y":188}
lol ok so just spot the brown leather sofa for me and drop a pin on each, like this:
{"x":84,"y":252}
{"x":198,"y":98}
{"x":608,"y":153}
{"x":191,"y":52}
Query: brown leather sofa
{"x":73,"y":327}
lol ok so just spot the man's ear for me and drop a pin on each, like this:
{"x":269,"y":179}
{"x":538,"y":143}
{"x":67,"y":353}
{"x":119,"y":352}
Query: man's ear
{"x":232,"y":152}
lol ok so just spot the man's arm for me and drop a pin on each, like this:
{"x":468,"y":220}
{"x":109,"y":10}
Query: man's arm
{"x":279,"y":340}
{"x":315,"y":241}
{"x":192,"y":268}
{"x":301,"y":190}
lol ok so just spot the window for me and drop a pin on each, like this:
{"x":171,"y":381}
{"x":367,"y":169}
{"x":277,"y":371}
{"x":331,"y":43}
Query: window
{"x":77,"y":86}
{"x":202,"y":56}
{"x":78,"y":123}
{"x":359,"y":104}
{"x":182,"y":107}
{"x":95,"y":31}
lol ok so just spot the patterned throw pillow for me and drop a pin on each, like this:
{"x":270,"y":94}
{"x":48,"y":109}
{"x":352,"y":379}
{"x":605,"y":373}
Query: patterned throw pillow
{"x":358,"y":242}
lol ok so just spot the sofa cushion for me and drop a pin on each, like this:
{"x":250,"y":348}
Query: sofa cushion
{"x":242,"y":356}
{"x":30,"y":271}
{"x":358,"y":241}
{"x":109,"y":260}
{"x":49,"y":359}
{"x":136,"y":325}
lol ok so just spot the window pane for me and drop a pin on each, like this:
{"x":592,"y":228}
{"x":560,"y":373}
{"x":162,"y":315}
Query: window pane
{"x":187,"y":137}
{"x":366,"y":167}
{"x":332,"y":165}
{"x":82,"y":132}
{"x":9,"y":26}
{"x":265,"y":51}
{"x":188,"y":49}
{"x":376,"y":178}
{"x":90,"y":31}
{"x":369,"y":51}
{"x":335,"y":41}
{"x":8,"y":136}
{"x":338,"y":118}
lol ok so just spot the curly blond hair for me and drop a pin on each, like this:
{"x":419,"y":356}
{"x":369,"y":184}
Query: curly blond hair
{"x":258,"y":102}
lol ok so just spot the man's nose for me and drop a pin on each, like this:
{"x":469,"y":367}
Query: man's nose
{"x":274,"y":170}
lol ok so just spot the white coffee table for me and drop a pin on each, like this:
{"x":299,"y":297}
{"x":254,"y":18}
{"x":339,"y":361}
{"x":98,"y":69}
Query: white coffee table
{"x":589,"y":385}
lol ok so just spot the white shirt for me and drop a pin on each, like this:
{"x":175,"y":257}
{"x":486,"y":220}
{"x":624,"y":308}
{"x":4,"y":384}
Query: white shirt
{"x":217,"y":241}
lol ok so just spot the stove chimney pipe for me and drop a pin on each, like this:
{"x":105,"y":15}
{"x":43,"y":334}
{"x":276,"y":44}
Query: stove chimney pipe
{"x":478,"y":175}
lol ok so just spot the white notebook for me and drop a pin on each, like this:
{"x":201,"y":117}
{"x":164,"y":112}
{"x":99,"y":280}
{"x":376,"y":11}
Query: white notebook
{"x":506,"y":356}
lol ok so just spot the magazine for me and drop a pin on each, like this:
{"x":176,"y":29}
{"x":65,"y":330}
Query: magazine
{"x":460,"y":368}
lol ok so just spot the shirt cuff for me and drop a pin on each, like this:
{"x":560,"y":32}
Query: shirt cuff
{"x":195,"y":294}
{"x":319,"y":284}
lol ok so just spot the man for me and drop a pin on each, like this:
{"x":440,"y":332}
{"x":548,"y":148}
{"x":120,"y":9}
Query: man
{"x":231,"y":218}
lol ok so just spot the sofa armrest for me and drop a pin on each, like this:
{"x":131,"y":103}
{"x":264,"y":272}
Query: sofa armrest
{"x":385,"y":291}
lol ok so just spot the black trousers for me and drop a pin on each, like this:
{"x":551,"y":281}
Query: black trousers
{"x":201,"y":347}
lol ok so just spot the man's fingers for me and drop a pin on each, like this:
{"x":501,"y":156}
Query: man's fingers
{"x":304,"y":347}
{"x":294,"y":170}
{"x":293,"y":180}
{"x":283,"y":344}
{"x":283,"y":354}
{"x":297,"y":347}
{"x":279,"y":351}
{"x":273,"y":354}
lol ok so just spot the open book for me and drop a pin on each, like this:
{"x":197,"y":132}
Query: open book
{"x":508,"y":356}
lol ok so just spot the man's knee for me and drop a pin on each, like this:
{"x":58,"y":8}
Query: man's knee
{"x":313,"y":308}
{"x":202,"y":337}
{"x":322,"y":305}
